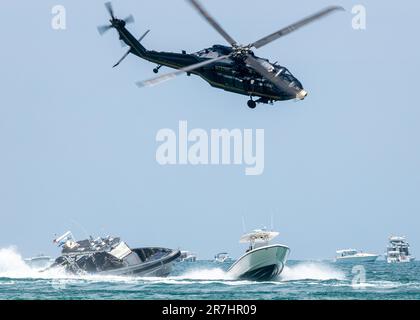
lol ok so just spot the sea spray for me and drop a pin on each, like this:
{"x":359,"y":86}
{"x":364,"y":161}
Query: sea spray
{"x":205,"y":274}
{"x":311,"y":271}
{"x":12,"y":263}
{"x":301,"y":271}
{"x":13,"y":266}
{"x":324,"y":282}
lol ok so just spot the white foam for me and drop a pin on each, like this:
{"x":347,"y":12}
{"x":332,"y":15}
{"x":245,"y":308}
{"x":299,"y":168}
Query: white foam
{"x":194,"y":276}
{"x":311,"y":271}
{"x":205,"y":274}
{"x":12,"y":265}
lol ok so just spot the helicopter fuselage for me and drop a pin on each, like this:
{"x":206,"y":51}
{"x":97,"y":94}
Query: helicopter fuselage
{"x":229,"y":74}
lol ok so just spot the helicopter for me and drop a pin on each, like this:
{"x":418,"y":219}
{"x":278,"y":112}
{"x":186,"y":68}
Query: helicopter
{"x":234,"y":68}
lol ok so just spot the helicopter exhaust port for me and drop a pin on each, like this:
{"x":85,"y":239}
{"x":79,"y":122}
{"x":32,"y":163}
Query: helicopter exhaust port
{"x":301,"y":95}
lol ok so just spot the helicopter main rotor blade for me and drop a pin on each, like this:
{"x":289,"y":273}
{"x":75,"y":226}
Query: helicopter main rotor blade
{"x":212,"y":22}
{"x":123,"y":57}
{"x":293,"y":27}
{"x":278,"y":82}
{"x":157,"y":80}
{"x":143,"y":36}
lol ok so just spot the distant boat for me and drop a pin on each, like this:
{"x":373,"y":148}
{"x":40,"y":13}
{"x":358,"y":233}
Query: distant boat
{"x":398,"y":250}
{"x":222,"y":257}
{"x":262,"y":261}
{"x":352,"y":255}
{"x":40,"y":261}
{"x":187,"y":256}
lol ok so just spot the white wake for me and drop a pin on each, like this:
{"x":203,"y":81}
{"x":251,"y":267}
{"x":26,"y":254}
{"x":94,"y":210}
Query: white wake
{"x":13,"y":266}
{"x":205,"y":274}
{"x":311,"y":271}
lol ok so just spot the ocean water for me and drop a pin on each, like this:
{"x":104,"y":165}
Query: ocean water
{"x":208,"y":280}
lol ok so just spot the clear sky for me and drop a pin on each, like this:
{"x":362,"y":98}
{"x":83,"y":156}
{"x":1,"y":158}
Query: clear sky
{"x":77,"y":138}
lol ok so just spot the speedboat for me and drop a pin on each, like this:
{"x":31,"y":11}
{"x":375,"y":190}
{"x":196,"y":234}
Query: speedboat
{"x":352,"y":255}
{"x":222,"y":257}
{"x":40,"y":261}
{"x":111,"y":256}
{"x":187,"y":256}
{"x":262,"y":261}
{"x":398,"y":250}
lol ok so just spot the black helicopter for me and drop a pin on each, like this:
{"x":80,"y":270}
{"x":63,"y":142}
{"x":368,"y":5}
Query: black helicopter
{"x":233,"y":68}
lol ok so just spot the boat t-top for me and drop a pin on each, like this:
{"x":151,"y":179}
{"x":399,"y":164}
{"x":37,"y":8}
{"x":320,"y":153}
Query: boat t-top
{"x":353,"y":255}
{"x":261,"y":261}
{"x":187,"y":256}
{"x":222,"y":257}
{"x":398,"y":250}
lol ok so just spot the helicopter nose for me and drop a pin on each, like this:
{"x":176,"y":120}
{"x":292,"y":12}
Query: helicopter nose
{"x":301,"y":94}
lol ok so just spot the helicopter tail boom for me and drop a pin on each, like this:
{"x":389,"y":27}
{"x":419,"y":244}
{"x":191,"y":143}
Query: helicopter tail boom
{"x":140,"y":49}
{"x":126,"y":38}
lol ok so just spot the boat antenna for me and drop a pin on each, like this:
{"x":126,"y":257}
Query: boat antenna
{"x":81,"y":227}
{"x":272,"y":222}
{"x":243,"y":224}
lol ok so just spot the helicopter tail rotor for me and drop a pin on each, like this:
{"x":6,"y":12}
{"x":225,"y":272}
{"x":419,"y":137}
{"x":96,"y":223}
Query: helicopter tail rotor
{"x":115,"y":22}
{"x":110,"y":9}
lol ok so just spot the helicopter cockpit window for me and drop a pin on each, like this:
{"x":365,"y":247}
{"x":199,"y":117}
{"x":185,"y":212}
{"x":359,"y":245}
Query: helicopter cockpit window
{"x":267,"y":65}
{"x":285,"y":73}
{"x":280,"y":71}
{"x":207,"y":53}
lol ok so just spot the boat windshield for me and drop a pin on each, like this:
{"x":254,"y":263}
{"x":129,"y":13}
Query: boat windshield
{"x":258,"y":236}
{"x":345,"y":253}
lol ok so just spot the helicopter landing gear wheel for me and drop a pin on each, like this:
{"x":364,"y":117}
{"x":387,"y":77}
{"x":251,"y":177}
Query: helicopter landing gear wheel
{"x":156,"y":70}
{"x":252,"y":104}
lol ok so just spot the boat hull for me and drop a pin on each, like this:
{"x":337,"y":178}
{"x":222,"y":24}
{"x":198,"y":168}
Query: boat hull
{"x":260,"y":264}
{"x":156,"y":268}
{"x":140,"y":262}
{"x":363,"y":259}
{"x":39,"y":262}
{"x":399,"y":260}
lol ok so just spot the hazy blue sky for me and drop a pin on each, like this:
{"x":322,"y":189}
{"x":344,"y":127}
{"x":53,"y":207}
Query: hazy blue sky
{"x":77,"y":138}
